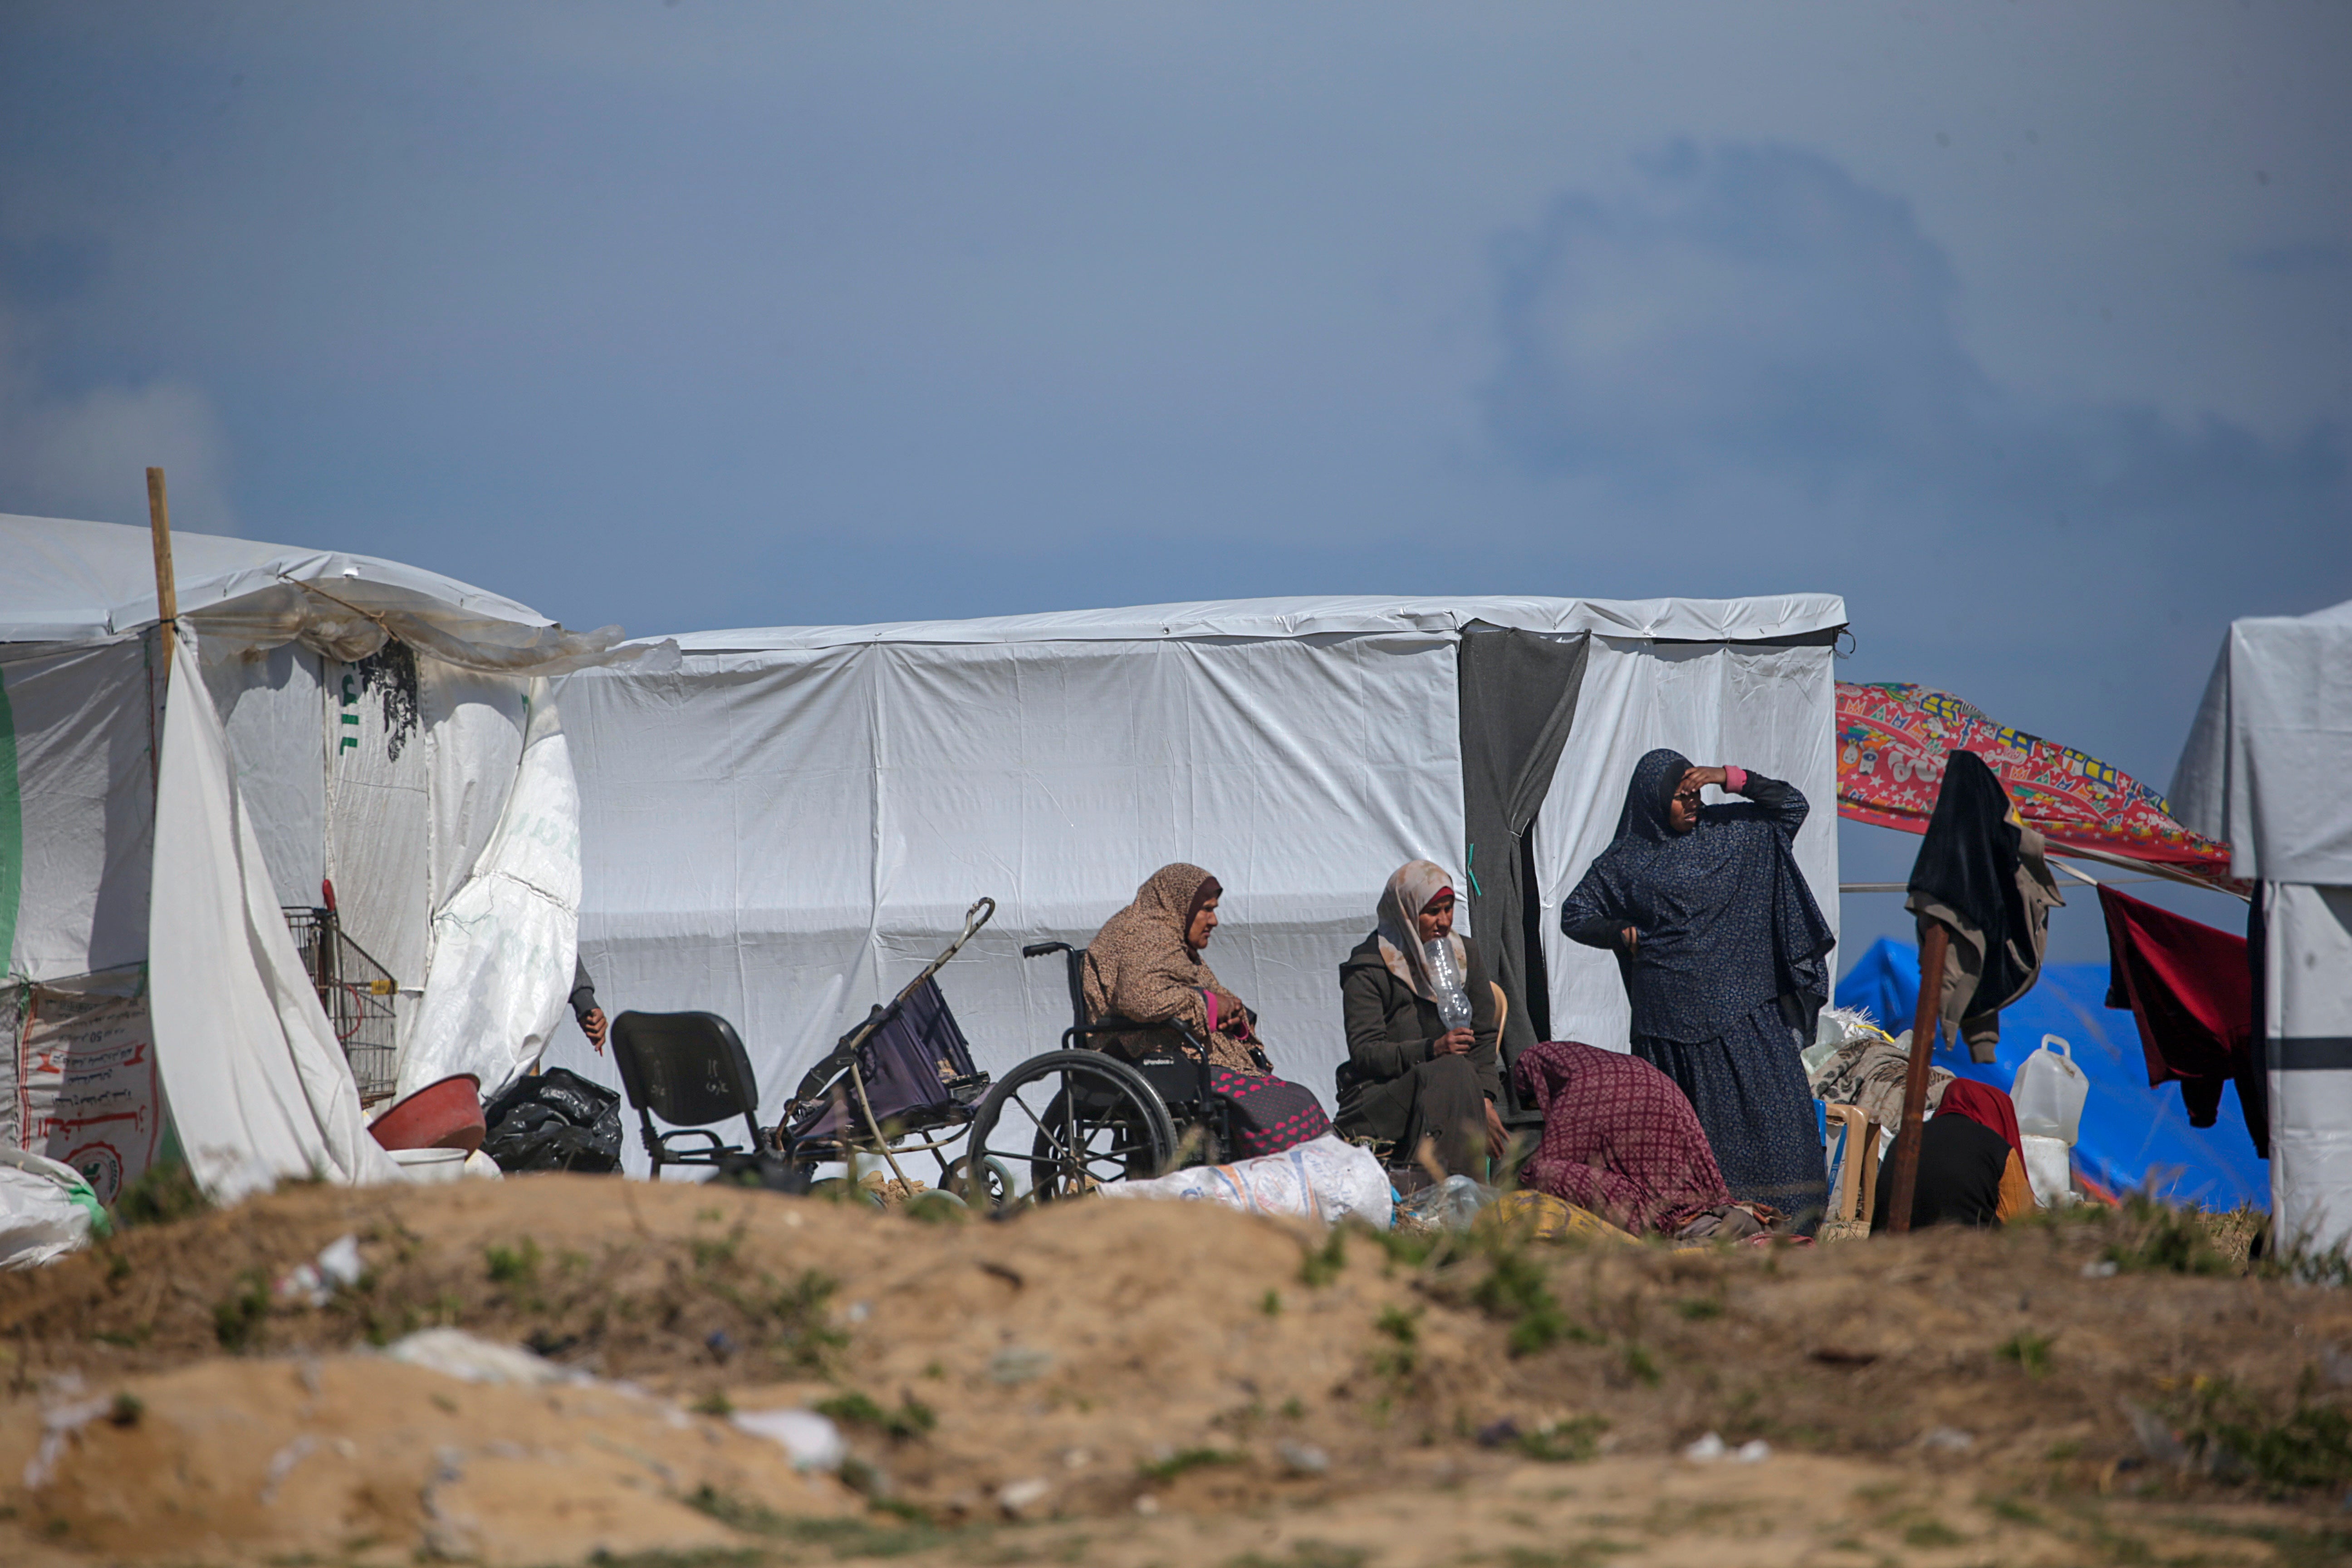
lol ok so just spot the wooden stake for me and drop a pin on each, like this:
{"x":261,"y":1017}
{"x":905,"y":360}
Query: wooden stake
{"x":1932,"y":950}
{"x":167,"y":596}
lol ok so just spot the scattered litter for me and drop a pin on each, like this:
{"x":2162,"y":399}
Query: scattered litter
{"x":1017,"y":1497}
{"x":721,"y":1344}
{"x":1019,"y":1364}
{"x":1303,"y":1459}
{"x":813,"y":1442}
{"x":59,"y":1424}
{"x":1946,"y":1440}
{"x":1712,"y":1447}
{"x":1147,"y":1505}
{"x":1450,"y":1205}
{"x":1076,"y":1459}
{"x":282,"y":1463}
{"x":337,"y":1268}
{"x":2101,"y":1268}
{"x":2155,"y":1439}
{"x":859,"y":1312}
{"x":454,"y":1352}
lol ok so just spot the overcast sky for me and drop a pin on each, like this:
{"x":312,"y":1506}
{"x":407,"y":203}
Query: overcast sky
{"x":2028,"y":327}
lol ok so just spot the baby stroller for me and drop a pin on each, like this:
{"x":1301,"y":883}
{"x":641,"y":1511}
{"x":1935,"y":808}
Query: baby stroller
{"x":905,"y":1073}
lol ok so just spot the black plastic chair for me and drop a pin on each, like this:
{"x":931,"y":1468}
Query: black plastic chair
{"x":689,"y":1070}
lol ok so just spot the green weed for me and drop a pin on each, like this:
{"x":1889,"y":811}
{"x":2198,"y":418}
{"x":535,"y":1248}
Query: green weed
{"x":1185,"y":1459}
{"x":2031,"y":1351}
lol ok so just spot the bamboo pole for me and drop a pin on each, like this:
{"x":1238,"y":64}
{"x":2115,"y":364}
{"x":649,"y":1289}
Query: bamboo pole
{"x":1932,"y":950}
{"x":167,"y":596}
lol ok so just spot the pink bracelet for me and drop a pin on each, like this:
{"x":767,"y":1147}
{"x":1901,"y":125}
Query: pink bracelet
{"x":1735,"y":780}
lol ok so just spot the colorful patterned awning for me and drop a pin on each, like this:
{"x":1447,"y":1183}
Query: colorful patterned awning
{"x":1891,"y":741}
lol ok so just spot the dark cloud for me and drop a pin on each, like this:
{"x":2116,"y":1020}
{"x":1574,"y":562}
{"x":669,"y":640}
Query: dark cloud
{"x":1749,"y":364}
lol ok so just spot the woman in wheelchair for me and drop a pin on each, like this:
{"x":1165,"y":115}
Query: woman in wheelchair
{"x":1144,"y":966}
{"x":1409,"y":1079}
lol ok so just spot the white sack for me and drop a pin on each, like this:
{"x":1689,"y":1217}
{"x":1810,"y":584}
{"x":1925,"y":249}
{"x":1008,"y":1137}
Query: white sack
{"x":1771,"y":710}
{"x":1327,"y":1179}
{"x":45,"y":1209}
{"x":503,"y":944}
{"x":258,"y":1086}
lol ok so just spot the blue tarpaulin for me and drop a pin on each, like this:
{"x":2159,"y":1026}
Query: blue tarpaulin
{"x":2132,"y":1135}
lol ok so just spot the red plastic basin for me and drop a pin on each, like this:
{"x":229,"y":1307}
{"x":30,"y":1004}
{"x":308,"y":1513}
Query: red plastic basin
{"x":443,"y":1115}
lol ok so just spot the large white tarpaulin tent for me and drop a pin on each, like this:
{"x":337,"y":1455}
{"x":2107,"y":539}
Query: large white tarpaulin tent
{"x":787,"y":825}
{"x":2265,"y":770}
{"x":367,"y":724}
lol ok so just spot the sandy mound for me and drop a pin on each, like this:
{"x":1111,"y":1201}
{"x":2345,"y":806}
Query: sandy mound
{"x":1162,"y":1366}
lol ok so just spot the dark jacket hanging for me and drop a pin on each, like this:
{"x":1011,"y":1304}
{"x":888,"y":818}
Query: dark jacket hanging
{"x":1981,"y":874}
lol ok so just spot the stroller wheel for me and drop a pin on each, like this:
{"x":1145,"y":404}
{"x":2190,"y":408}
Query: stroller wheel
{"x":995,"y":1188}
{"x":1072,"y":1119}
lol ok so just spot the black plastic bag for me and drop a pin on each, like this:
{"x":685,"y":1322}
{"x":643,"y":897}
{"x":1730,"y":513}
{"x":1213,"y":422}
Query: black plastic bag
{"x":555,"y":1120}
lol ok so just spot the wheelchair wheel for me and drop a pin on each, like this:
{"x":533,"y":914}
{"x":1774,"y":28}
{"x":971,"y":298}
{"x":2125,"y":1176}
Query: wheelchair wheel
{"x":1075,"y":1119}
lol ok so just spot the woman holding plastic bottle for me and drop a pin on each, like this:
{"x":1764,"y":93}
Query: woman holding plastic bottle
{"x":1419,"y":1016}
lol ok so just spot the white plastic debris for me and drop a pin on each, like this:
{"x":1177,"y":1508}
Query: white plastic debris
{"x":813,"y":1442}
{"x":1754,"y":1451}
{"x":1947,"y":1440}
{"x":1016,"y":1496}
{"x":59,"y":1424}
{"x":1706,"y":1450}
{"x":455,"y":1354}
{"x":337,"y":1268}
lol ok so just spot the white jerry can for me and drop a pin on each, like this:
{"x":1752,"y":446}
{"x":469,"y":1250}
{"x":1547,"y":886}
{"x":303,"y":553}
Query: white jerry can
{"x":2049,"y":1090}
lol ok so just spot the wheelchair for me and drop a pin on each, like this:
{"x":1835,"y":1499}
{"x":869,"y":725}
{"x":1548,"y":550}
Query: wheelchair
{"x":1078,"y":1117}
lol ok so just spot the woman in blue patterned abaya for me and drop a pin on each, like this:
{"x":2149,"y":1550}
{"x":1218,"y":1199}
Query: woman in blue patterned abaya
{"x":1721,"y":947}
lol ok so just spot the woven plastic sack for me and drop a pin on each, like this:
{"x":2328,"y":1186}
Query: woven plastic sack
{"x":1325,"y":1179}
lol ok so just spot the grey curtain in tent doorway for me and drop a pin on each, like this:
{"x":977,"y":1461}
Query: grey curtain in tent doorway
{"x":1519,"y":701}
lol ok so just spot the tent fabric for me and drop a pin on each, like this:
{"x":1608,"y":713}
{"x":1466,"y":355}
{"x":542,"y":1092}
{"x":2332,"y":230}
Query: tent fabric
{"x":503,"y":942}
{"x":71,"y":581}
{"x":1786,"y":615}
{"x":1518,"y":694}
{"x":2263,"y":768}
{"x":785,"y":829}
{"x":258,"y":1085}
{"x":1768,"y":709}
{"x":2131,"y":1135}
{"x":2272,"y":740}
{"x":2308,"y":987}
{"x":76,"y":806}
{"x":1892,"y":740}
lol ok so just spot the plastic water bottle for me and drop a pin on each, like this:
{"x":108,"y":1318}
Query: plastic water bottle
{"x":1445,"y":975}
{"x":2049,"y":1090}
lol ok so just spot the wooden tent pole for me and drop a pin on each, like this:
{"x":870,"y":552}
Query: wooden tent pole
{"x":1932,"y":949}
{"x":167,"y":597}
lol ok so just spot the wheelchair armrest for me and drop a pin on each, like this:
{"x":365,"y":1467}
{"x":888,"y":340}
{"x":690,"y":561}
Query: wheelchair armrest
{"x":1113,"y":1025}
{"x":1044,"y":949}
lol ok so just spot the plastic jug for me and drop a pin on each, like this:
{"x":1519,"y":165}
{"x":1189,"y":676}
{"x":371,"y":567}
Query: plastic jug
{"x":1452,"y":1007}
{"x":2049,"y":1090}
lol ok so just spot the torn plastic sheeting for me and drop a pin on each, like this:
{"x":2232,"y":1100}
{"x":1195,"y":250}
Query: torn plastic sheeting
{"x":259,"y":1085}
{"x":503,"y":944}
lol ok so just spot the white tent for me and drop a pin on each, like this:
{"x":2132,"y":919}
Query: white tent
{"x":789,"y":825}
{"x":371,"y":725}
{"x":2264,"y":769}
